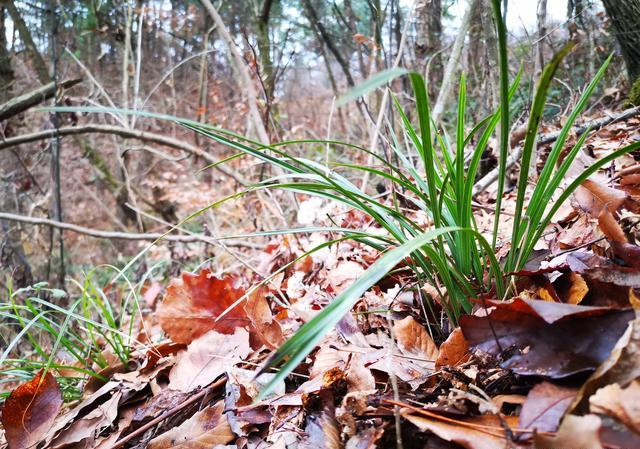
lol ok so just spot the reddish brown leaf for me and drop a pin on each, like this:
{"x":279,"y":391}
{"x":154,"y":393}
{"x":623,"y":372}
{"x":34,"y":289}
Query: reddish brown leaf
{"x":545,"y":406}
{"x":592,"y":266}
{"x":629,"y":253}
{"x":193,"y":303}
{"x":610,"y":226}
{"x":454,"y":350}
{"x":29,"y":411}
{"x":413,"y":339}
{"x":267,"y":330}
{"x":592,"y":197}
{"x":478,"y":432}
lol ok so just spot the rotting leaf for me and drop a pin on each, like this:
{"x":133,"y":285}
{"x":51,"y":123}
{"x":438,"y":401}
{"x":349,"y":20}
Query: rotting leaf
{"x":205,"y":429}
{"x":194,"y":301}
{"x":29,"y":411}
{"x":547,"y":339}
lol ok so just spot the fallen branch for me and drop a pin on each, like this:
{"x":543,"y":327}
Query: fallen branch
{"x":543,"y":139}
{"x":23,"y":102}
{"x":122,"y":132}
{"x":117,"y":235}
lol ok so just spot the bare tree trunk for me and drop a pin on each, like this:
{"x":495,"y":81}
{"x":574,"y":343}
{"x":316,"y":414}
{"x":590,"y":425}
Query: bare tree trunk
{"x":12,"y":256}
{"x":452,"y":64}
{"x":312,"y":16}
{"x":429,"y":41}
{"x":625,"y":18}
{"x":34,"y":55}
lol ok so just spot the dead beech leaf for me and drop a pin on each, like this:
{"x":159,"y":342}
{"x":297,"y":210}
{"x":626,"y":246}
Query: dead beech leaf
{"x":620,"y":403}
{"x":29,"y":411}
{"x":205,"y":429}
{"x":258,"y":311}
{"x":593,"y":196}
{"x":545,"y":406}
{"x":194,"y":301}
{"x":575,"y":432}
{"x":413,"y":339}
{"x":578,"y":289}
{"x":454,"y":350}
{"x":610,"y":226}
{"x":86,"y":428}
{"x":207,"y":357}
{"x":478,"y":432}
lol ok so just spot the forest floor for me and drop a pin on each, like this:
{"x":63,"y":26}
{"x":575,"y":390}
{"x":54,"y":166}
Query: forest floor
{"x":557,"y":366}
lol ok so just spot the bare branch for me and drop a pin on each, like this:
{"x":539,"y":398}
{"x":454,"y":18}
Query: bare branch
{"x":122,"y":132}
{"x":117,"y":235}
{"x":23,"y":102}
{"x":593,"y":125}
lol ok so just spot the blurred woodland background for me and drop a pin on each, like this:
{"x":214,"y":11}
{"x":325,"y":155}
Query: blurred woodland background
{"x":269,"y":69}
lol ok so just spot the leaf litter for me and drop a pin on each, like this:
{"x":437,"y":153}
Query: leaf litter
{"x":554,"y":366}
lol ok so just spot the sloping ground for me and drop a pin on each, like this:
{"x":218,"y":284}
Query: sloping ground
{"x":555,"y":366}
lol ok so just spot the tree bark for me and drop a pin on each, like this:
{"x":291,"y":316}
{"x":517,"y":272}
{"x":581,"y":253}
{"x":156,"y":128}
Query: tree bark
{"x":429,"y":41}
{"x":34,"y":55}
{"x":625,"y":19}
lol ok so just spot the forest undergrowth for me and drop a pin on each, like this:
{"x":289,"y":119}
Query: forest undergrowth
{"x":399,"y":306}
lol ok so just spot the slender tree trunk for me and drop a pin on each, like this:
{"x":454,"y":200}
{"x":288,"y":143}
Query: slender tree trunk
{"x":12,"y":256}
{"x":39,"y":65}
{"x":313,"y":18}
{"x":429,"y":41}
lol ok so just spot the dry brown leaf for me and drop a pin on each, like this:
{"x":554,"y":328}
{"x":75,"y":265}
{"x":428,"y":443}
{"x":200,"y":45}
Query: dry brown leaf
{"x":454,"y":350}
{"x":258,"y":311}
{"x":621,"y":403}
{"x":204,"y":430}
{"x":29,"y":411}
{"x":575,"y":432}
{"x":478,"y":432}
{"x":622,"y":367}
{"x":610,"y":226}
{"x":86,"y":428}
{"x":593,"y":196}
{"x":206,"y":358}
{"x":413,"y":339}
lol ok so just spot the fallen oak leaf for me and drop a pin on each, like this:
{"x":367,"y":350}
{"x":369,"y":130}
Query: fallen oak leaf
{"x":575,"y":432}
{"x":414,"y":340}
{"x":30,"y":410}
